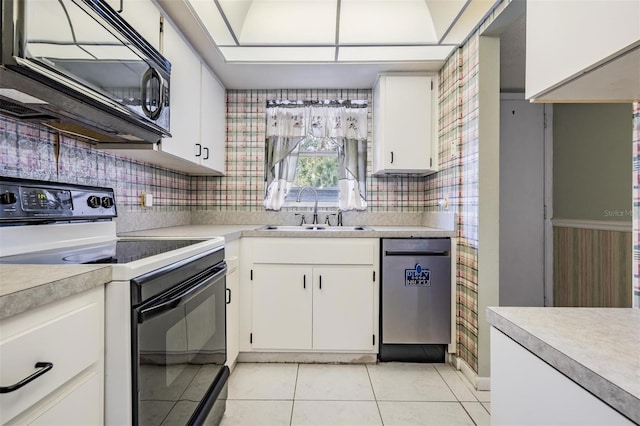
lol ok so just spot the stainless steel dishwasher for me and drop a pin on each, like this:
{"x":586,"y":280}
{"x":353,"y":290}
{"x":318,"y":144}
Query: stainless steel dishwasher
{"x":415,"y":318}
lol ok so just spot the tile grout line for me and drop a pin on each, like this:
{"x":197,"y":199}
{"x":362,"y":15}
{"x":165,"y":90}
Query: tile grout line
{"x":485,"y":408}
{"x":469,"y":385}
{"x":460,"y":402}
{"x":295,"y":387}
{"x":375,"y":398}
{"x":449,"y":387}
{"x":468,"y":414}
{"x":458,"y":399}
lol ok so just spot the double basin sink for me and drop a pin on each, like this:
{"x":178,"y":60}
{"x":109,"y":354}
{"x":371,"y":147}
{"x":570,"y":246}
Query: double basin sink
{"x":310,"y":227}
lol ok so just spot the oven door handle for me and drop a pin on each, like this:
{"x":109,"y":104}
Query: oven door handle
{"x":155,"y":309}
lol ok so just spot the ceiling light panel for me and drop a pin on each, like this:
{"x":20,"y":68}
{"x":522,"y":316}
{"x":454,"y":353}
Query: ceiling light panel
{"x":386,"y":22}
{"x":278,"y":54}
{"x":211,"y":20}
{"x":394,"y":53}
{"x":283,"y":22}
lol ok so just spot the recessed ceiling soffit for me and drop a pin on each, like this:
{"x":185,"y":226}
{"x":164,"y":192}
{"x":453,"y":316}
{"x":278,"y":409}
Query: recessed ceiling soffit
{"x":330,"y":31}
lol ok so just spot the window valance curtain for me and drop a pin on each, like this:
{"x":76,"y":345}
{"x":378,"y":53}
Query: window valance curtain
{"x":288,"y":125}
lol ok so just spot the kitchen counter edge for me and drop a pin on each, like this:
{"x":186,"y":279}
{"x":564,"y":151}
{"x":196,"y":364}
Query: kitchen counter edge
{"x":233,"y":232}
{"x":521,"y":325}
{"x":25,"y":287}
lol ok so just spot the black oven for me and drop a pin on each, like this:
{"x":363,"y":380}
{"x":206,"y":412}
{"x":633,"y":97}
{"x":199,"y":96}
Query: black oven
{"x":179,"y":342}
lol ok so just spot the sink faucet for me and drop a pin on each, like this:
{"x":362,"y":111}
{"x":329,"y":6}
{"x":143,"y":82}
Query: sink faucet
{"x":315,"y":206}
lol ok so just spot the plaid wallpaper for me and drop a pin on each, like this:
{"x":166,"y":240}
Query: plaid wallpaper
{"x":458,"y":178}
{"x":636,"y":205}
{"x":31,"y":151}
{"x":243,"y":186}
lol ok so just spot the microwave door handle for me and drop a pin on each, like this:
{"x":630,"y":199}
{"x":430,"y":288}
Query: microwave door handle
{"x":146,"y":313}
{"x":147,"y":79}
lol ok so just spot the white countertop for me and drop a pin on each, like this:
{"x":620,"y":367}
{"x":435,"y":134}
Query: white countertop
{"x":231,"y":232}
{"x":598,"y":348}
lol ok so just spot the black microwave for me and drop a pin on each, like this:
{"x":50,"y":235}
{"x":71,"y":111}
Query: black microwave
{"x":77,"y":66}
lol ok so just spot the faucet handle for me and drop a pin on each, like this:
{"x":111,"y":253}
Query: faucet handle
{"x":302,"y":220}
{"x":326,"y":220}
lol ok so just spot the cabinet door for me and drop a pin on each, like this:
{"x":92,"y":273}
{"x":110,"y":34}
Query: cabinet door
{"x":185,"y":97}
{"x":343,"y":308}
{"x":403,"y":132}
{"x":282,"y":297}
{"x":233,"y":307}
{"x":212,"y":127}
{"x":408,"y":123}
{"x":566,"y":60}
{"x":143,"y":16}
{"x":69,"y":334}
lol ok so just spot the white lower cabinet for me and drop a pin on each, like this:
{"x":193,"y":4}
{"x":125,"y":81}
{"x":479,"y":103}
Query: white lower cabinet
{"x":525,"y":390}
{"x":343,"y":308}
{"x":312,"y":294}
{"x":69,"y":334}
{"x":282,"y":317}
{"x":232,"y":253}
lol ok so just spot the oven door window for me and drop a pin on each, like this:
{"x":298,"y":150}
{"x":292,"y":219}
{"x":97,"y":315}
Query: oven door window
{"x":179,"y":351}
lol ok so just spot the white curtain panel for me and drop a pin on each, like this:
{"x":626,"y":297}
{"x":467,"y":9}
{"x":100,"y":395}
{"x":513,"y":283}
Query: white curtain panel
{"x":287,"y":126}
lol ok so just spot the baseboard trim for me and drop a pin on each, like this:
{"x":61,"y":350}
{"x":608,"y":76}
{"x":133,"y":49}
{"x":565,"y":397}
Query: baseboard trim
{"x":480,"y":383}
{"x":308,"y":357}
{"x":483,"y":384}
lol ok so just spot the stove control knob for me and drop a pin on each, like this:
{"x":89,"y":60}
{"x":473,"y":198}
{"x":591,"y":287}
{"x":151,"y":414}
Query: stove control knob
{"x":8,"y":198}
{"x":93,"y":201}
{"x":107,"y":202}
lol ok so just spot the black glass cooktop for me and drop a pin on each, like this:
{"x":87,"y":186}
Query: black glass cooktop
{"x":122,"y":251}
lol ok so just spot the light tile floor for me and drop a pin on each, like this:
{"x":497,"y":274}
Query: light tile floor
{"x":354,"y":395}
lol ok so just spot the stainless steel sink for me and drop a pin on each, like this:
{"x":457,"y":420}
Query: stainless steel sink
{"x":309,"y":227}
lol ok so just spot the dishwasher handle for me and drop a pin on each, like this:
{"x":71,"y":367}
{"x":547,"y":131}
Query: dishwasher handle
{"x":414,"y":253}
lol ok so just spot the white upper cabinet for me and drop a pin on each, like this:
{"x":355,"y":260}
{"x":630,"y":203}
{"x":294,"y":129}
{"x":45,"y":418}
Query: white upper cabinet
{"x":212,"y":125}
{"x":197,"y":117}
{"x":404,"y":138}
{"x":197,"y":109}
{"x":184,"y":96}
{"x":585,"y":51}
{"x":142,"y":15}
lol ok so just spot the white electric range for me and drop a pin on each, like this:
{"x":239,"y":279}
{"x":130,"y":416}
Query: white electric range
{"x":164,"y":309}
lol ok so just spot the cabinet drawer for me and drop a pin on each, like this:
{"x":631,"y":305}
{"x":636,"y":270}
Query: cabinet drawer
{"x":315,"y":251}
{"x":67,"y":333}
